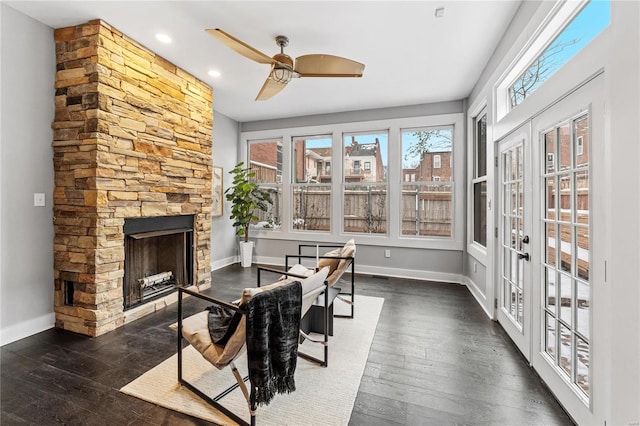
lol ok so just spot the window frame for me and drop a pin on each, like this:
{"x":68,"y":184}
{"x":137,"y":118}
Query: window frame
{"x":477,"y":251}
{"x":277,"y":185}
{"x":394,"y":174}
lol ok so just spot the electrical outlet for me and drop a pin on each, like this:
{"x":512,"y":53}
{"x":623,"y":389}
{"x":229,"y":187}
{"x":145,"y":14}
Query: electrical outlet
{"x":387,"y":253}
{"x":38,"y":199}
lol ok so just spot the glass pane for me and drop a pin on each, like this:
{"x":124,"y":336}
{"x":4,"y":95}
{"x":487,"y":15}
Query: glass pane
{"x":520,"y":317}
{"x":582,"y":365}
{"x":271,"y":219}
{"x":365,"y":209}
{"x":551,"y":244}
{"x":581,"y":143}
{"x":520,"y":164}
{"x":481,"y":147}
{"x":365,"y":148}
{"x":564,"y":136}
{"x":312,"y":207}
{"x":265,"y":159}
{"x":514,"y":302}
{"x":565,"y":197}
{"x":514,"y":266}
{"x":566,"y":349}
{"x":582,"y":237}
{"x":582,"y":197}
{"x":427,"y":153}
{"x":480,"y":213}
{"x":551,"y":289}
{"x":514,"y":233}
{"x":550,"y":198}
{"x":506,"y":163}
{"x":506,"y":267}
{"x":583,"y":28}
{"x":566,"y":298}
{"x":311,"y":159}
{"x":428,"y":210}
{"x":513,"y":210}
{"x":550,"y":150}
{"x":566,"y":258}
{"x":582,"y":302}
{"x":550,"y":336}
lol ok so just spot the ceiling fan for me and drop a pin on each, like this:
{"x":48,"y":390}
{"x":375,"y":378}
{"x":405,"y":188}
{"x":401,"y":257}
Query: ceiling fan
{"x":283,"y":68}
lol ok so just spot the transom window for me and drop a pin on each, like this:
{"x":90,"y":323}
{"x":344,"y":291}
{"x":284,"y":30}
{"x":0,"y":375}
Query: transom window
{"x":572,"y":27}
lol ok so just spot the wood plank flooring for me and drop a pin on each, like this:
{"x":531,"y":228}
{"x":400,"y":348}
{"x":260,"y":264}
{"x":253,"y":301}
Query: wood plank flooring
{"x":435,"y":360}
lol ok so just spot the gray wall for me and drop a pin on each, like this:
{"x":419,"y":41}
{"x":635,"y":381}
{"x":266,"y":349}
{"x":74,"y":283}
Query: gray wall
{"x":450,"y":107}
{"x":26,"y":232}
{"x":225,"y":154}
{"x":434,"y":265}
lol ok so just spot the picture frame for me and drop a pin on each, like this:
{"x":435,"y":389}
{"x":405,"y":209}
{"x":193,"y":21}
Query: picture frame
{"x":217,"y":203}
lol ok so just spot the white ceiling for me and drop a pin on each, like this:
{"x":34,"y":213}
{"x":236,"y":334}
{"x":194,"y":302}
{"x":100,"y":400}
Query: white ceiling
{"x":411,"y":56}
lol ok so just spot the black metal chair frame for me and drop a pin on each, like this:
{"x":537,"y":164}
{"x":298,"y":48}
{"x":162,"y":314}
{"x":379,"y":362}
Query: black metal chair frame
{"x":214,"y":401}
{"x":325,"y":342}
{"x":300,"y":256}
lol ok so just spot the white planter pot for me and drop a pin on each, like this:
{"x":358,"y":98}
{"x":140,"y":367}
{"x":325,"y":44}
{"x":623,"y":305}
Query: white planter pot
{"x":246,"y":253}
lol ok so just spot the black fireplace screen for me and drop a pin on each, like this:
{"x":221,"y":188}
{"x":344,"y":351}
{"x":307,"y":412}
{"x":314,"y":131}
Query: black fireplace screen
{"x":158,"y":257}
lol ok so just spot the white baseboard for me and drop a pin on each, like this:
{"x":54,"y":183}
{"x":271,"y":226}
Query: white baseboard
{"x":217,"y":264}
{"x":385,"y":272}
{"x":26,"y":328}
{"x":480,"y":297}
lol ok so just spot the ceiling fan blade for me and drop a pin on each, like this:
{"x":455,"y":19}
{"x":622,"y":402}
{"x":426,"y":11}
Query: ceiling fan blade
{"x":241,"y":47}
{"x":327,"y":66}
{"x":270,"y":88}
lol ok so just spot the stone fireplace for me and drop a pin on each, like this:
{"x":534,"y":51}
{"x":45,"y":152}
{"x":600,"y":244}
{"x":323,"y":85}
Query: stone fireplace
{"x":133,"y":167}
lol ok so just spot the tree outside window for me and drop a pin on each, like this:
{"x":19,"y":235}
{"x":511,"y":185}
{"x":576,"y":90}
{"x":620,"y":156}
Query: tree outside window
{"x":427,"y":207}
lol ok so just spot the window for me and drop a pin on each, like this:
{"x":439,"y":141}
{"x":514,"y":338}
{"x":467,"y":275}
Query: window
{"x":365,"y":195}
{"x":367,"y":165}
{"x":555,"y":51}
{"x":311,"y":186}
{"x":479,"y":181}
{"x":265,"y":161}
{"x":426,"y":201}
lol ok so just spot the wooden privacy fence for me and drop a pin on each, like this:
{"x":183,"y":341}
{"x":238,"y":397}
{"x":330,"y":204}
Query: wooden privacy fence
{"x":426,"y":210}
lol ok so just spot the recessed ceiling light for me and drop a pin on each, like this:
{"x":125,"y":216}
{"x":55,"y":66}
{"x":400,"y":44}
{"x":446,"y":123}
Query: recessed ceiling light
{"x":214,"y":73}
{"x":440,"y":12}
{"x":163,"y":38}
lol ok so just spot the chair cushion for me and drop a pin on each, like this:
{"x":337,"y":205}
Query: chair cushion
{"x":195,"y":330}
{"x":349,"y":250}
{"x":331,"y":263}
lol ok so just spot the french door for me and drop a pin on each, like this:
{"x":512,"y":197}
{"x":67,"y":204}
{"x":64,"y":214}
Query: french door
{"x":514,"y":241}
{"x":549,"y":254}
{"x":566,"y":280}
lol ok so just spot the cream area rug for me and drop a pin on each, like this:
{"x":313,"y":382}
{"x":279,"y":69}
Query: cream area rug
{"x":323,"y":395}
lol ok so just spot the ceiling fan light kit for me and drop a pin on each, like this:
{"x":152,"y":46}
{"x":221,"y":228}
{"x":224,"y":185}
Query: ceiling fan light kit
{"x":283,"y":68}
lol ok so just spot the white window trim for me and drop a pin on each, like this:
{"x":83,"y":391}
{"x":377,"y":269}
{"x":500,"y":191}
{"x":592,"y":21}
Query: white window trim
{"x":476,"y":250}
{"x":437,"y":161}
{"x":393,"y":126}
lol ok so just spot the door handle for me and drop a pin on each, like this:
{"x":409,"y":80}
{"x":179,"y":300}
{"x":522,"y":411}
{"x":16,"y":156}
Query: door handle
{"x":522,"y":255}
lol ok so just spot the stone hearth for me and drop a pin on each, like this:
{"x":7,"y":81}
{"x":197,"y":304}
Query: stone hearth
{"x":132,"y":139}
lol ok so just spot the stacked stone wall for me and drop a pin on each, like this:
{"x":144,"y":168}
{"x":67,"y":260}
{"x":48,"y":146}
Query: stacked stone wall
{"x":132,"y":138}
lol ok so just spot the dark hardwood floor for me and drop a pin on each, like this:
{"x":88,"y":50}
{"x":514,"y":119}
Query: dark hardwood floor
{"x":435,"y":360}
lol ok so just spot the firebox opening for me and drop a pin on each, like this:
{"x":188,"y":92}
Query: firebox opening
{"x":158,"y":257}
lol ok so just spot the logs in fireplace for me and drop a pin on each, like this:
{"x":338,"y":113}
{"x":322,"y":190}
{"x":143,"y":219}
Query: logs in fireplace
{"x":158,"y":257}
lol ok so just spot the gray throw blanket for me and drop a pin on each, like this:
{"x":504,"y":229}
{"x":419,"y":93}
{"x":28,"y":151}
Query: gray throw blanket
{"x":273,"y":323}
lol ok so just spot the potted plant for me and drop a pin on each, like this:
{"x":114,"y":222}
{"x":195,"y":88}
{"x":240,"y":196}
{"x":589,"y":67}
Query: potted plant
{"x":245,"y":196}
